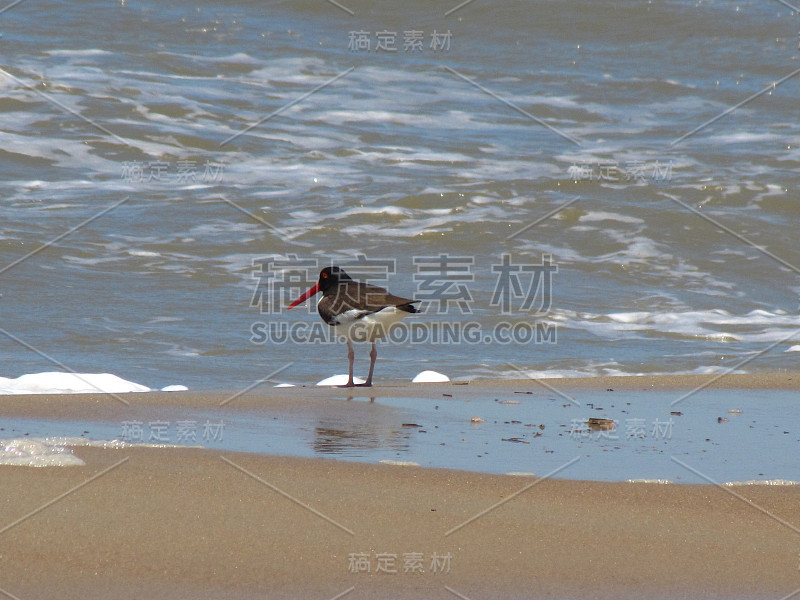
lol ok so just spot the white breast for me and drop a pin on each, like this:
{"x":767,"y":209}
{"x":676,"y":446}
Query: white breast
{"x":360,"y":327}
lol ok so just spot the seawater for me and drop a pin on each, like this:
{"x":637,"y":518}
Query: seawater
{"x":155,"y":157}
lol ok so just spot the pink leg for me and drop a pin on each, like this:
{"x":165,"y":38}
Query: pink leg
{"x":350,"y":357}
{"x":373,"y":355}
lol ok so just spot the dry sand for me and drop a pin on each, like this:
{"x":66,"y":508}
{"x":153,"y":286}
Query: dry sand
{"x":191,"y":523}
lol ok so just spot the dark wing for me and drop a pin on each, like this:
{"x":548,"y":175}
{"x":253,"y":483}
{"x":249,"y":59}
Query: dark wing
{"x":367,"y":298}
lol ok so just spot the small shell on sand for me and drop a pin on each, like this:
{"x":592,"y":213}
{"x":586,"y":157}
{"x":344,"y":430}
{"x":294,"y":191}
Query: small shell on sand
{"x":601,"y":424}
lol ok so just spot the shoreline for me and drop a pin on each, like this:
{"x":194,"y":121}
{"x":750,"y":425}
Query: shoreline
{"x":107,"y":405}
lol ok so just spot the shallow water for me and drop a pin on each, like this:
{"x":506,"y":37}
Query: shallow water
{"x":655,"y":436}
{"x":675,"y":253}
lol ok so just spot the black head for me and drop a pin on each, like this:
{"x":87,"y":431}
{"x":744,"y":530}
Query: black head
{"x":331,"y":277}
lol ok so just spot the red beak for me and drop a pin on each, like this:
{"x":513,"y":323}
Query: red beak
{"x":305,"y":296}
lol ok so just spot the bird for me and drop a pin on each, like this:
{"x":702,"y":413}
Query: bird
{"x":357,"y":311}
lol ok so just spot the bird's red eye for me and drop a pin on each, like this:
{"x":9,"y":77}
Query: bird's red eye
{"x":324,"y":275}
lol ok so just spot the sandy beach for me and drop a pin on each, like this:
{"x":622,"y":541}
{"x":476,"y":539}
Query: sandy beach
{"x":188,"y":522}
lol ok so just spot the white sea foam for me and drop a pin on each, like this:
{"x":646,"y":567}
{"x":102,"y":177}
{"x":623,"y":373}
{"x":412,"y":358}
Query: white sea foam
{"x":49,"y":451}
{"x":743,"y":137}
{"x":339,"y":380}
{"x":770,"y":482}
{"x":714,"y":325}
{"x":399,"y":463}
{"x":55,"y":382}
{"x":608,"y":216}
{"x":606,"y":370}
{"x":56,"y":451}
{"x":430,"y":377}
{"x":660,"y":481}
{"x":86,"y":52}
{"x":37,"y":453}
{"x":68,"y":383}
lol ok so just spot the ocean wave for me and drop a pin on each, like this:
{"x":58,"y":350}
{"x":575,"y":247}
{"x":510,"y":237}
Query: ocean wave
{"x":756,"y":326}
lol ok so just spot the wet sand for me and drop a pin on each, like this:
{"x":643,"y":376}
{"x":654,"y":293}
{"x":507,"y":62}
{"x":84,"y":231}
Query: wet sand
{"x":116,"y":406}
{"x":188,"y":523}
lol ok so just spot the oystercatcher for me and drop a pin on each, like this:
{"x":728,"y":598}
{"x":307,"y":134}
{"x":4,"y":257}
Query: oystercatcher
{"x":357,"y":311}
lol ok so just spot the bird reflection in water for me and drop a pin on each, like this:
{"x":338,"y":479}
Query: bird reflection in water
{"x":340,"y":437}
